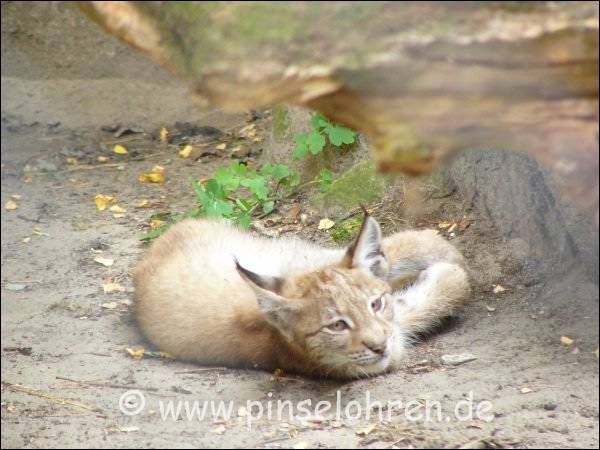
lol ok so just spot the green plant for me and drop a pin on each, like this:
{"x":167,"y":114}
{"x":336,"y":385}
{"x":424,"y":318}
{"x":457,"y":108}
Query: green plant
{"x":346,"y":230}
{"x":324,"y":178}
{"x":322,"y":130}
{"x":236,"y":193}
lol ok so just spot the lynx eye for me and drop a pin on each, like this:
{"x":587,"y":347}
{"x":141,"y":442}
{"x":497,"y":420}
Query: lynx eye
{"x":339,"y":325}
{"x":378,"y":304}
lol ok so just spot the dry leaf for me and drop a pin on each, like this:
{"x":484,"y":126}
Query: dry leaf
{"x":221,"y":146}
{"x":219,"y":430}
{"x":102,"y":158}
{"x":525,"y":390}
{"x":498,"y":289}
{"x":185,"y":151}
{"x":367,"y":430}
{"x":443,"y":225}
{"x":164,"y":135}
{"x":106,"y":262}
{"x":117,"y":209}
{"x":158,"y":169}
{"x":490,"y":308}
{"x":155,"y":223}
{"x":111,"y":286}
{"x":120,"y":150}
{"x":102,"y":201}
{"x":71,"y":161}
{"x":566,"y":340}
{"x":452,"y":228}
{"x":139,"y":353}
{"x":118,"y":216}
{"x":38,"y":232}
{"x":151,"y":177}
{"x":109,"y":305}
{"x":325,"y":224}
{"x":142,"y":203}
{"x":128,"y":429}
{"x":11,"y":204}
{"x":26,"y":240}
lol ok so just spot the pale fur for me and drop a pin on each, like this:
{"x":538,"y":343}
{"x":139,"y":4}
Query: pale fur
{"x":192,"y":302}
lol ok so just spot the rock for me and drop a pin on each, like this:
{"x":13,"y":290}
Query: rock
{"x":455,"y":360}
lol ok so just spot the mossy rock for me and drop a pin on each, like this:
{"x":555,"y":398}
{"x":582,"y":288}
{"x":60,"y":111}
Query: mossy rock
{"x":359,"y":185}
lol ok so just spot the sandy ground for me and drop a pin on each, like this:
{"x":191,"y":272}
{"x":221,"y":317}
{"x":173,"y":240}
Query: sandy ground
{"x":66,"y":391}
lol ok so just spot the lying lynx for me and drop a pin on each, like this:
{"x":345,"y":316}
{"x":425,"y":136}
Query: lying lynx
{"x":210,"y":293}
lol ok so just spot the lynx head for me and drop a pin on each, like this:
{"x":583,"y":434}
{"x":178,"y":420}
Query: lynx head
{"x":341,"y":316}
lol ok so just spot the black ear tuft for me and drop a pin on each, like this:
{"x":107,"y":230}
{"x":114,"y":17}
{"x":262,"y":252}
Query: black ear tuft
{"x":270,"y":283}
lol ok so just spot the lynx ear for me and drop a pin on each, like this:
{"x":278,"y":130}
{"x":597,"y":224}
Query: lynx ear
{"x":366,"y":252}
{"x":278,"y":311}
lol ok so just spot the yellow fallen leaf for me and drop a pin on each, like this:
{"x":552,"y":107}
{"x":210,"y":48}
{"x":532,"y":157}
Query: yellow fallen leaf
{"x":139,"y":353}
{"x":498,"y":289}
{"x":111,"y":286}
{"x":102,"y":201}
{"x":72,"y":161}
{"x":120,"y":150}
{"x":325,"y":224}
{"x":11,"y":204}
{"x":109,"y":305}
{"x":367,"y":430}
{"x":26,"y":240}
{"x":221,"y":146}
{"x":142,"y":203}
{"x":158,"y":169}
{"x":185,"y":151}
{"x":117,"y":209}
{"x":164,"y":134}
{"x":107,"y":262}
{"x":151,"y":177}
{"x":102,"y":159}
{"x":38,"y":232}
{"x":443,"y":225}
{"x":566,"y":340}
{"x":219,"y":430}
{"x":155,"y":223}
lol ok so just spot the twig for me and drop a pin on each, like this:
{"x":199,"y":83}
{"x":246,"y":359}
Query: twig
{"x":109,"y":385}
{"x":202,"y":370}
{"x":59,"y":400}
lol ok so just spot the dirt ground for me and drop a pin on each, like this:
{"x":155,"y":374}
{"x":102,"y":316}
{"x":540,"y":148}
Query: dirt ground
{"x":65,"y":390}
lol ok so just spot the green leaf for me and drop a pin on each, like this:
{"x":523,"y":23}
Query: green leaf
{"x":325,"y":177}
{"x":339,"y":135}
{"x":227,"y":179}
{"x":215,"y":188}
{"x":155,"y":233}
{"x":266,"y":170}
{"x":258,"y":186}
{"x":301,"y":149}
{"x":280,"y":171}
{"x":244,"y":220}
{"x":238,"y":169}
{"x":318,"y":121}
{"x":268,"y":206}
{"x":316,"y":142}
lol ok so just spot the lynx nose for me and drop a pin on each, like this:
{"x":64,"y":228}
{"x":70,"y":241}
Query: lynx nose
{"x":376,"y":347}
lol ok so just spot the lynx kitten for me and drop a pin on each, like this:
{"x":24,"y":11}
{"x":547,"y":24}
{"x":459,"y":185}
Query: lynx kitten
{"x":210,"y":293}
